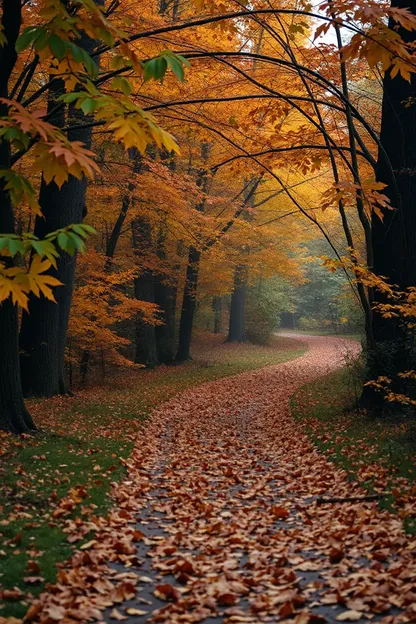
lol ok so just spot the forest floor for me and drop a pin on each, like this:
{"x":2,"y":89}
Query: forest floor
{"x":66,"y":470}
{"x":230,"y":513}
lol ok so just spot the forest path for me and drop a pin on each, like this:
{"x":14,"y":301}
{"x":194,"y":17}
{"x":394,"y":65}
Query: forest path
{"x":223,"y":486}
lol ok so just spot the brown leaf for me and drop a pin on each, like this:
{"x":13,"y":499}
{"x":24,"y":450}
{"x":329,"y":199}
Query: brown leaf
{"x":116,"y":615}
{"x":33,"y":611}
{"x":279,"y":512}
{"x":287,"y":609}
{"x":227,"y":599}
{"x":350,"y":616}
{"x":133,"y":611}
{"x":167,"y":592}
{"x":11,"y":594}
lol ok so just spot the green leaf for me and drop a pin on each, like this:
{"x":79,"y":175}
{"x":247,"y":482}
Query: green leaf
{"x":15,"y":247}
{"x":177,"y":67}
{"x":88,"y":106}
{"x":88,"y":228}
{"x":181,"y":59}
{"x":29,"y":36}
{"x":70,"y":246}
{"x":4,"y":242}
{"x":81,"y":229}
{"x":78,"y":242}
{"x":123,"y":84}
{"x":57,"y":46}
{"x":63,"y":240}
{"x":155,"y":68}
{"x":71,"y":97}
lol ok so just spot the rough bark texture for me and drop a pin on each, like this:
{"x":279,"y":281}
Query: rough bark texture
{"x":236,"y":329}
{"x":146,"y":352}
{"x":14,"y":416}
{"x":394,"y":238}
{"x":44,"y":330}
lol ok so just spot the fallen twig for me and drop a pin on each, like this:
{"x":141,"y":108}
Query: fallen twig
{"x":351,"y":499}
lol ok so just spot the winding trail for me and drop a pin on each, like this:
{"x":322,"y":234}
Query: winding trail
{"x":218,"y":519}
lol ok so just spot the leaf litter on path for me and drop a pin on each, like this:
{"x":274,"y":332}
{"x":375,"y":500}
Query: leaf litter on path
{"x":218,"y":520}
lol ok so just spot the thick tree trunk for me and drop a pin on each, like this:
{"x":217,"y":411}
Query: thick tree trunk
{"x":188,"y":305}
{"x":236,"y":329}
{"x":217,"y":307}
{"x":14,"y":416}
{"x":44,"y":329}
{"x":394,"y":238}
{"x":146,"y":351}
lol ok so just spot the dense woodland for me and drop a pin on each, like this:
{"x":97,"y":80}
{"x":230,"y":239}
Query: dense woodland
{"x":233,"y":164}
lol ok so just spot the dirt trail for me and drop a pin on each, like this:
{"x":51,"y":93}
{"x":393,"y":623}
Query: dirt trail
{"x":219,"y":513}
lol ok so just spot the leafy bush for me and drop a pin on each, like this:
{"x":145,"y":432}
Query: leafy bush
{"x":309,"y":324}
{"x":263,"y":310}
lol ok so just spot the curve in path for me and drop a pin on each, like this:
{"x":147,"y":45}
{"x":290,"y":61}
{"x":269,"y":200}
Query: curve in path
{"x":219,"y":514}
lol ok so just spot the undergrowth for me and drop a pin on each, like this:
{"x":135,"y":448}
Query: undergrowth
{"x":378,"y":453}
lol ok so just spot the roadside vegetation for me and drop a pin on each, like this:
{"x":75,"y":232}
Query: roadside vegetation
{"x":379,"y":453}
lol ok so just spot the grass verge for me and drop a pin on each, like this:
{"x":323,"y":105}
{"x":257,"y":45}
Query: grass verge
{"x":378,"y":453}
{"x":65,"y":472}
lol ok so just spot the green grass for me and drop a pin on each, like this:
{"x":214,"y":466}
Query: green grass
{"x":43,"y":473}
{"x":77,"y":455}
{"x":378,"y":453}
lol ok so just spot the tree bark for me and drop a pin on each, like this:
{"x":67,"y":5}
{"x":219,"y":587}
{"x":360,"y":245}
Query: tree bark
{"x":394,"y":238}
{"x":192,"y":273}
{"x":14,"y":416}
{"x":236,"y":330}
{"x":165,"y":298}
{"x":165,"y":290}
{"x":44,"y":329}
{"x":146,"y":351}
{"x":188,"y":305}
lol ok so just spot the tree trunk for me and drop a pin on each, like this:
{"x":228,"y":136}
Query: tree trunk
{"x":236,"y":330}
{"x":394,"y":238}
{"x":146,"y":352}
{"x":14,"y":416}
{"x":165,"y":297}
{"x":44,"y":329}
{"x":217,"y":307}
{"x":188,"y":305}
{"x":192,"y":273}
{"x":166,"y":290}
